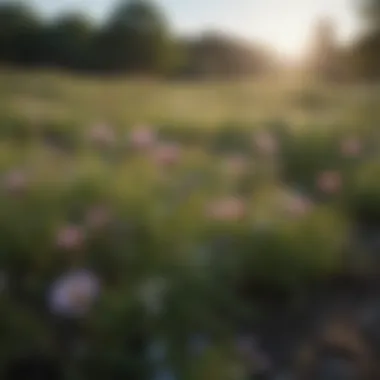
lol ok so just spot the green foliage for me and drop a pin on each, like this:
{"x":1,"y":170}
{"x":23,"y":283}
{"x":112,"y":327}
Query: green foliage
{"x":366,"y":56}
{"x":135,"y":39}
{"x":363,"y":198}
{"x":68,"y":42}
{"x":19,"y":35}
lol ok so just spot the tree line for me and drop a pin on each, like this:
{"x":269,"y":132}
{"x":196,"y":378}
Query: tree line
{"x":135,"y":38}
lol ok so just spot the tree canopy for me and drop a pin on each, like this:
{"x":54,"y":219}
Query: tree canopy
{"x":135,"y":38}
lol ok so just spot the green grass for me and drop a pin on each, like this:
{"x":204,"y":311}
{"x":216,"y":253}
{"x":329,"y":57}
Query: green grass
{"x":58,"y":96}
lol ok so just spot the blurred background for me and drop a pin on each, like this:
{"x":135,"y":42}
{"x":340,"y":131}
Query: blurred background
{"x":190,"y":189}
{"x":336,"y":40}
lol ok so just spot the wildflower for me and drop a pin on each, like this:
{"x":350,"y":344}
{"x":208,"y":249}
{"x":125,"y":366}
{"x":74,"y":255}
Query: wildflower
{"x":98,"y":217}
{"x":351,"y":147}
{"x":228,"y":209}
{"x":167,"y":154}
{"x":235,"y":165}
{"x":298,"y":205}
{"x":102,"y":134}
{"x":265,"y":142}
{"x":70,"y":237}
{"x":142,"y":137}
{"x":73,"y":294}
{"x":329,"y":182}
{"x":16,"y":181}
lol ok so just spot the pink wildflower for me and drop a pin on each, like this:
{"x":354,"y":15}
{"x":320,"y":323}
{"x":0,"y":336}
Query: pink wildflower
{"x":265,"y":142}
{"x":235,"y":165}
{"x":351,"y":147}
{"x":102,"y":134}
{"x":228,"y":209}
{"x":167,"y":154}
{"x":98,"y":217}
{"x":298,"y":205}
{"x":142,"y":137}
{"x":329,"y":182}
{"x":16,"y":181}
{"x":70,"y":237}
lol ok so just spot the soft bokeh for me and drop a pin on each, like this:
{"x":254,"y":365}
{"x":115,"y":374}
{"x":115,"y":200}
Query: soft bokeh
{"x":196,"y":205}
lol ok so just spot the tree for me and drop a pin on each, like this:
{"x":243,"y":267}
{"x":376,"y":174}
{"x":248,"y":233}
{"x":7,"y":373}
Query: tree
{"x":136,"y":39}
{"x":68,"y":41}
{"x":20,"y":32}
{"x":365,"y":56}
{"x":325,"y":51}
{"x":216,"y":55}
{"x":365,"y":51}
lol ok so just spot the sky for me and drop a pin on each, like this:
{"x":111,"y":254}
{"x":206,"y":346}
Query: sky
{"x":285,"y":25}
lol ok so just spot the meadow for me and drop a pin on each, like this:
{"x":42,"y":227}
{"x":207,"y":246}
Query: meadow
{"x":148,"y":229}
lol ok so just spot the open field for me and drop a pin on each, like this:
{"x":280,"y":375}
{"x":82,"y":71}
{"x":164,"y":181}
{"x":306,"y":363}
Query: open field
{"x":184,"y":217}
{"x":54,"y":96}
